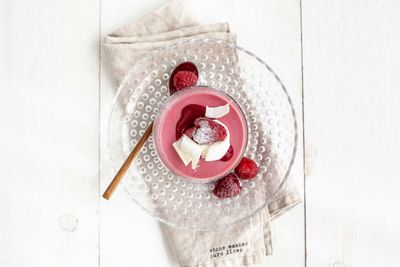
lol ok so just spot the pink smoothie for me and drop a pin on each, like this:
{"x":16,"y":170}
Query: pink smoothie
{"x":164,"y":133}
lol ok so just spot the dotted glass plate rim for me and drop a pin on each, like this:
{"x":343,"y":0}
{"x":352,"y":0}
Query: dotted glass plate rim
{"x":271,"y":121}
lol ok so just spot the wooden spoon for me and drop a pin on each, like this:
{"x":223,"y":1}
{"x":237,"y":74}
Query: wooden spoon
{"x":188,"y":66}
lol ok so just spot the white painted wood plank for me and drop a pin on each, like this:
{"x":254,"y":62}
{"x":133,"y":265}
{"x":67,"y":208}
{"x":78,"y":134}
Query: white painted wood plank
{"x":128,"y":236}
{"x":49,"y":132}
{"x":271,"y":29}
{"x":352,"y":81}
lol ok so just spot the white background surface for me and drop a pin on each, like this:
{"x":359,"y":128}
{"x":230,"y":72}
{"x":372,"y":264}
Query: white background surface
{"x":340,"y":61}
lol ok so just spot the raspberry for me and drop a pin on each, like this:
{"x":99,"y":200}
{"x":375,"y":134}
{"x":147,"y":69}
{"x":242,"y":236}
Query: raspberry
{"x":183,"y":79}
{"x":247,"y":169}
{"x":228,"y":186}
{"x":189,"y":132}
{"x":208,"y":131}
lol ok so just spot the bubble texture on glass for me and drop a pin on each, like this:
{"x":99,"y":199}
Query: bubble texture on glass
{"x":272,"y":136}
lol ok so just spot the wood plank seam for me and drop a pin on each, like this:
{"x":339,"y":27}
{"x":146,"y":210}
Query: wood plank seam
{"x":304,"y":147}
{"x":99,"y":140}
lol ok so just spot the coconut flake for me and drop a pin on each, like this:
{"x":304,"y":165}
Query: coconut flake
{"x":188,"y":150}
{"x":217,"y":112}
{"x":185,"y":158}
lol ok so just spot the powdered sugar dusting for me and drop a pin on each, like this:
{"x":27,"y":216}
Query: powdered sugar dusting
{"x":203,"y":134}
{"x":217,"y":150}
{"x":228,"y":186}
{"x":208,"y":131}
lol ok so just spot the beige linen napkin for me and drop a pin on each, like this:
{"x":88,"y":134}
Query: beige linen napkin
{"x":244,"y":243}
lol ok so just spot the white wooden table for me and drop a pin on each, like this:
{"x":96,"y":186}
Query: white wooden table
{"x":340,"y":61}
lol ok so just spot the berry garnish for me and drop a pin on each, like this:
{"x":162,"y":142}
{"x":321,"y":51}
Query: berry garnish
{"x":188,"y":115}
{"x":184,"y":79}
{"x":208,"y":131}
{"x":185,"y":66}
{"x":228,"y":186}
{"x":247,"y":169}
{"x":189,"y":132}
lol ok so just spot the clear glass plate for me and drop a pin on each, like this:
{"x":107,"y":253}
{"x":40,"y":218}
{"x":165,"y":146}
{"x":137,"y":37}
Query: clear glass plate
{"x":272,"y":133}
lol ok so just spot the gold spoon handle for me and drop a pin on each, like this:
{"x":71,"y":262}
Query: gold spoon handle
{"x":124,"y":168}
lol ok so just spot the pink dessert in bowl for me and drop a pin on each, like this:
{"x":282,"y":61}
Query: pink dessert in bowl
{"x":184,"y":117}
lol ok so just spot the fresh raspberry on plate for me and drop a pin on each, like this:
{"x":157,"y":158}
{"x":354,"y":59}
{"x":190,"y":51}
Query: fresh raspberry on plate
{"x":208,"y":131}
{"x":228,"y":186}
{"x":183,"y":79}
{"x":247,"y":169}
